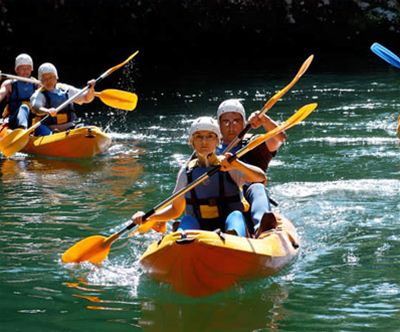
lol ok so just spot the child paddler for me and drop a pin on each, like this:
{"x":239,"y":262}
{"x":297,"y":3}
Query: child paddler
{"x":216,"y":203}
{"x":18,"y":94}
{"x":46,"y":99}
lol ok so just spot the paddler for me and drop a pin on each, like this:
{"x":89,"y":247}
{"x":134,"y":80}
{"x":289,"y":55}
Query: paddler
{"x":232,"y":119}
{"x":51,"y":95}
{"x":216,"y":203}
{"x":18,"y":94}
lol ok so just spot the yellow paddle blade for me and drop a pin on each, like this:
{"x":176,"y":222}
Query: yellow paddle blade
{"x":113,"y":69}
{"x":272,"y":101}
{"x":93,"y":249}
{"x":123,"y":100}
{"x":295,"y":119}
{"x":14,"y":142}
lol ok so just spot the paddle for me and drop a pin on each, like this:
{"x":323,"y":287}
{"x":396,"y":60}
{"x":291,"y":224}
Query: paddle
{"x":385,"y":54}
{"x":96,"y":248}
{"x":18,"y":138}
{"x":272,"y":101}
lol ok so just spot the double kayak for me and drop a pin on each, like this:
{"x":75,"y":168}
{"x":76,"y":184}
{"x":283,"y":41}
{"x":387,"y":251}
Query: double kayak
{"x":82,"y":142}
{"x":201,"y":263}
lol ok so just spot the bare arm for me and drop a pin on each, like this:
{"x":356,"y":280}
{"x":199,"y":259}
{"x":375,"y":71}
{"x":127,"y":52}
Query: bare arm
{"x":256,"y":120}
{"x":250,"y":173}
{"x":89,"y":95}
{"x":5,"y":89}
{"x":172,"y":211}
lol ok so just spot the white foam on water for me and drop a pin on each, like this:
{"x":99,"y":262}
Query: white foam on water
{"x":371,"y":187}
{"x":353,"y":140}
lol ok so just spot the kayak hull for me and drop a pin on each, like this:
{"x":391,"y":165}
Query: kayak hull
{"x":83,"y":142}
{"x":201,"y":263}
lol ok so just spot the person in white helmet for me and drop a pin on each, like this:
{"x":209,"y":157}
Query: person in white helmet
{"x":51,"y":95}
{"x":18,"y":94}
{"x":216,"y":203}
{"x":232,"y":119}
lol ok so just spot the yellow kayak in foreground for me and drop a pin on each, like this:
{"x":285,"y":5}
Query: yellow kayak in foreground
{"x":201,"y":263}
{"x":83,"y":142}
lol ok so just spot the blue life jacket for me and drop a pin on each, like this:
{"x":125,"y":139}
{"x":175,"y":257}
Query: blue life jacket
{"x":54,"y":99}
{"x":211,"y":201}
{"x":20,"y":92}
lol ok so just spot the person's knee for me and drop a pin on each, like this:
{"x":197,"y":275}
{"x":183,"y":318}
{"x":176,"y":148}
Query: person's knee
{"x":254,"y":190}
{"x":42,"y":130}
{"x":236,"y":222}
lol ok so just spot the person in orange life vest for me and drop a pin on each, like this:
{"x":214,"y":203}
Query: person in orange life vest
{"x":46,"y":99}
{"x":232,"y":119}
{"x":18,"y":94}
{"x":216,"y":203}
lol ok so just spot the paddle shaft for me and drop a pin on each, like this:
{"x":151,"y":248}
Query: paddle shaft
{"x":20,"y":78}
{"x":271,"y":102}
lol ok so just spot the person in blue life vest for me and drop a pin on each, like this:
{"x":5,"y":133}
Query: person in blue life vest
{"x":232,"y":119}
{"x":46,"y":99}
{"x":216,"y":203}
{"x":18,"y":94}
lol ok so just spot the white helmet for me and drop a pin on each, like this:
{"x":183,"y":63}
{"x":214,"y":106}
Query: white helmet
{"x":23,"y":59}
{"x":231,"y":105}
{"x":204,"y":123}
{"x":47,"y":68}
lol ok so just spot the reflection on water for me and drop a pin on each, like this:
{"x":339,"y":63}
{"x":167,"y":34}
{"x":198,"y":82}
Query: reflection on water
{"x":337,"y":178}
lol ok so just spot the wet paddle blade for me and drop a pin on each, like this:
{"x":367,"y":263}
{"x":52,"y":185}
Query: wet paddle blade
{"x":113,"y":69}
{"x":295,"y":119}
{"x":14,"y":142}
{"x":94,"y":249}
{"x":273,"y":100}
{"x":385,"y":54}
{"x":122,"y":100}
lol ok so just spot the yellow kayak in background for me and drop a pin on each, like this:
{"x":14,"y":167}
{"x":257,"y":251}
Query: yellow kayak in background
{"x":83,"y":142}
{"x":201,"y":263}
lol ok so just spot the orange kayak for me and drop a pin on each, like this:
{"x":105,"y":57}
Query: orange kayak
{"x":83,"y":142}
{"x":201,"y":263}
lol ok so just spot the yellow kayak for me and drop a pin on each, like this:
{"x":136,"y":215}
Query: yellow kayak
{"x":83,"y":142}
{"x":201,"y":263}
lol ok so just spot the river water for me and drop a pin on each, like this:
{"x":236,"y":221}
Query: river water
{"x":337,"y":178}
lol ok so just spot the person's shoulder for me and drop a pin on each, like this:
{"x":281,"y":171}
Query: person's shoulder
{"x":38,"y":92}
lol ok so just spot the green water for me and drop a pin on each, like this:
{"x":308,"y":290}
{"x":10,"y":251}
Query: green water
{"x":337,"y":178}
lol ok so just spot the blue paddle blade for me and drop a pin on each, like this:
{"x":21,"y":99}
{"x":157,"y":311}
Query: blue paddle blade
{"x":385,"y":54}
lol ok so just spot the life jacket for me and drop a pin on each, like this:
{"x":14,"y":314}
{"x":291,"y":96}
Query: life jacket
{"x":211,"y":201}
{"x":54,"y":99}
{"x":260,"y":156}
{"x":21,"y":93}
